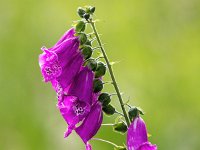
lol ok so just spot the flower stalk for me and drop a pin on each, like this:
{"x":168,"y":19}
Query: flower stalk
{"x":106,"y":141}
{"x":92,"y":23}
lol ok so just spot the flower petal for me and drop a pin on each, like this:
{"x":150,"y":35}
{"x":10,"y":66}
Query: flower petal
{"x":69,"y":71}
{"x":82,"y":86}
{"x":66,"y":50}
{"x":61,"y":62}
{"x":147,"y":146}
{"x":137,"y":135}
{"x":91,"y":123}
{"x":69,"y":34}
{"x":73,"y":111}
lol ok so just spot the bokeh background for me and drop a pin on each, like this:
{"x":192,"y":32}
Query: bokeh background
{"x":157,"y":43}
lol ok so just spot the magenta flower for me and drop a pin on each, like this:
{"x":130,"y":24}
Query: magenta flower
{"x":91,"y":124}
{"x":79,"y":103}
{"x":137,"y":136}
{"x":60,"y":63}
{"x":77,"y":100}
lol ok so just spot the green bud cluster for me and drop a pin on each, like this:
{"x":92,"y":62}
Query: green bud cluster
{"x":85,"y":43}
{"x":86,"y":12}
{"x":105,"y":100}
{"x":98,"y":67}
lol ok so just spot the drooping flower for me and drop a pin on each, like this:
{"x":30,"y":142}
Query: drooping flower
{"x":60,"y":63}
{"x":77,"y":100}
{"x":79,"y":103}
{"x":91,"y":124}
{"x":137,"y":138}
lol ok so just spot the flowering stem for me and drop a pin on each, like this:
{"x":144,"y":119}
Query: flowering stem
{"x":107,"y":124}
{"x":110,"y":71}
{"x":119,"y":113}
{"x":97,"y":139}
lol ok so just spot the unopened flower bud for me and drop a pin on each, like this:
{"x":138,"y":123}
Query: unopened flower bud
{"x":97,"y":85}
{"x":134,"y":112}
{"x":109,"y":110}
{"x":104,"y":98}
{"x":120,"y":127}
{"x":80,"y":26}
{"x":86,"y":51}
{"x":92,"y":9}
{"x":88,"y":42}
{"x":86,"y":16}
{"x":81,"y":12}
{"x":87,"y":10}
{"x":101,"y":70}
{"x":82,"y":38}
{"x":92,"y":64}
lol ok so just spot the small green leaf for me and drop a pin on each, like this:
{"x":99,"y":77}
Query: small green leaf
{"x":81,"y":12}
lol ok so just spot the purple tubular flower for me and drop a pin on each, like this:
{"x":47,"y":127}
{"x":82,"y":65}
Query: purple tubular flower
{"x":69,"y":34}
{"x":60,"y":63}
{"x":137,"y":136}
{"x":82,"y":85}
{"x":91,"y":124}
{"x":76,"y":103}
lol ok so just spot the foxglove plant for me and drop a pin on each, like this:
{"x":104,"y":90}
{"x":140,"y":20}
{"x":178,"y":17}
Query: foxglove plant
{"x":77,"y":79}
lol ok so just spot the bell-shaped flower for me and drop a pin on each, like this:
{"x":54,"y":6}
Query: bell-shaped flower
{"x":91,"y":124}
{"x":137,"y":138}
{"x":60,"y":63}
{"x":76,"y":102}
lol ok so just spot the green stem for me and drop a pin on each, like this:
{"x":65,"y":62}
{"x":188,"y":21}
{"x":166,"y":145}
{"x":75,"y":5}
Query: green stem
{"x":107,"y":124}
{"x":110,"y":71}
{"x":98,"y":139}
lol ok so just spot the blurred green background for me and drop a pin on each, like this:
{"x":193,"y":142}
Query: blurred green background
{"x":157,"y":43}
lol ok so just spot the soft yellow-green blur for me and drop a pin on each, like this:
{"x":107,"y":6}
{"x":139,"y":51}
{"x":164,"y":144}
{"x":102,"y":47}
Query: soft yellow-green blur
{"x":157,"y":43}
